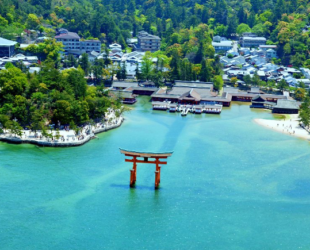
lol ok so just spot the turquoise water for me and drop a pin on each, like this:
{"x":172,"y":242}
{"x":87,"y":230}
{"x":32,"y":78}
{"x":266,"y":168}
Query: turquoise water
{"x":230,"y":184}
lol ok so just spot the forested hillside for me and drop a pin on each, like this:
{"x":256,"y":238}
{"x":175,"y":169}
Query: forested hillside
{"x":280,"y":21}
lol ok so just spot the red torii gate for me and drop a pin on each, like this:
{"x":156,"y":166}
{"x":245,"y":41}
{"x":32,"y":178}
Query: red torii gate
{"x":145,"y":156}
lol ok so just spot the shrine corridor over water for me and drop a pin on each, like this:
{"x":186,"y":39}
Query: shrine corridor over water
{"x":230,"y":184}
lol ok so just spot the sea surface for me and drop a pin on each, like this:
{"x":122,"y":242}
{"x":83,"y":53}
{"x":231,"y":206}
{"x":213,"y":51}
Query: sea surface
{"x":230,"y":184}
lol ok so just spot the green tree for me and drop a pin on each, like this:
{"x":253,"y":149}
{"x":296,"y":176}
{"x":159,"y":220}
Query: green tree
{"x":146,"y":65}
{"x":282,"y":85}
{"x":300,"y":94}
{"x":218,"y":82}
{"x":62,"y":112}
{"x":243,"y":28}
{"x":84,"y":62}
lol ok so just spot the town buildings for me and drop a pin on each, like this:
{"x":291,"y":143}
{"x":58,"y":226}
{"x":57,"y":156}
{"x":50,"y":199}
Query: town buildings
{"x":26,"y":60}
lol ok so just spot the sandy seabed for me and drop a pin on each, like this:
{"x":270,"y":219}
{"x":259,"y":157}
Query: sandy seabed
{"x":288,"y":126}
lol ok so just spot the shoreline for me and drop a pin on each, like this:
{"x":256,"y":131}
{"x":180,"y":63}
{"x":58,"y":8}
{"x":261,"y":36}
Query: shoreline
{"x":289,"y":126}
{"x":69,"y":137}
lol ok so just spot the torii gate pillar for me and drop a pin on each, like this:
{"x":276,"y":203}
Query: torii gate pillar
{"x":156,"y":160}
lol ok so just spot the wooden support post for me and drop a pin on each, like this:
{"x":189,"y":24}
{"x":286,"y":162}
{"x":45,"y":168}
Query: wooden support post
{"x":133,"y":172}
{"x":132,"y":177}
{"x":156,"y":179}
{"x":135,"y":168}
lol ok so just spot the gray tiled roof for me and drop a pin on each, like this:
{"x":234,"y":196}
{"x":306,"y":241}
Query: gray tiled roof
{"x":70,"y":35}
{"x":287,"y":104}
{"x":117,"y":84}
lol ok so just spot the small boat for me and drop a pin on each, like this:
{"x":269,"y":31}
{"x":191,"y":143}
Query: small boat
{"x":172,"y":108}
{"x":184,"y":112}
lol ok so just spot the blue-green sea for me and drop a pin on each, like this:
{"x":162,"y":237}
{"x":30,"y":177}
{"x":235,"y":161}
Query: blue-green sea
{"x":230,"y":184}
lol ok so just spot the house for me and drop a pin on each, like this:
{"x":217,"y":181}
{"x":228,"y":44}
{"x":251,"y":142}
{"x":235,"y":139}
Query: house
{"x":271,"y":53}
{"x":7,"y":47}
{"x":218,"y":39}
{"x":266,"y":47}
{"x":305,"y":72}
{"x":262,"y":75}
{"x":286,"y":107}
{"x":133,"y":57}
{"x":42,"y":39}
{"x":92,"y":56}
{"x":257,"y":52}
{"x":148,"y":42}
{"x":115,"y":46}
{"x":131,"y":41}
{"x":116,"y":50}
{"x":232,"y":52}
{"x":238,"y":60}
{"x":244,"y":51}
{"x":257,"y":60}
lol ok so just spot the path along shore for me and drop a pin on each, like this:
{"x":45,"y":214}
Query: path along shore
{"x":288,"y":126}
{"x":68,"y":138}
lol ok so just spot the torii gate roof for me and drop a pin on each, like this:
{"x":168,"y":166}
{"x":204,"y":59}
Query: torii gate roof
{"x":145,"y":154}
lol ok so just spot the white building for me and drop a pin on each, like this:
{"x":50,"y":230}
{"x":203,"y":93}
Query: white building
{"x":222,"y":46}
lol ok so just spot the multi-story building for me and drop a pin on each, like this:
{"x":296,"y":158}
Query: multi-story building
{"x":253,"y":41}
{"x":74,"y":45}
{"x":7,"y":47}
{"x":90,"y":45}
{"x":147,"y":42}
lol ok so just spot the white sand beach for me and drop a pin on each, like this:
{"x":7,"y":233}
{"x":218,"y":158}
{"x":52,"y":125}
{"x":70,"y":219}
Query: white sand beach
{"x":289,"y":125}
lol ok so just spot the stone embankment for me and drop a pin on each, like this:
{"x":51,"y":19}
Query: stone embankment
{"x":66,"y":138}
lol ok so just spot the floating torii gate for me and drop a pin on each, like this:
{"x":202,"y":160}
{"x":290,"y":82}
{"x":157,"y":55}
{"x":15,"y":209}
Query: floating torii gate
{"x":145,"y":155}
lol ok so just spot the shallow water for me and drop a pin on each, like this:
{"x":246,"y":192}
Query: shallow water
{"x":230,"y":184}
